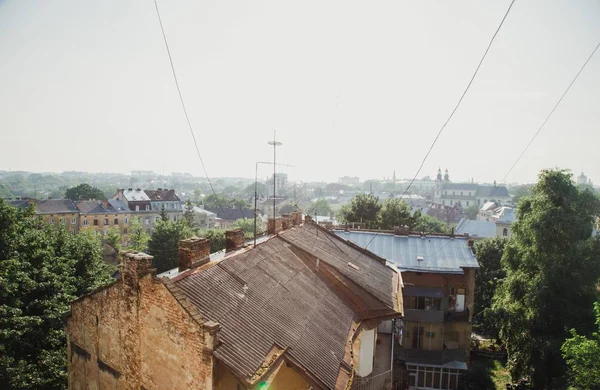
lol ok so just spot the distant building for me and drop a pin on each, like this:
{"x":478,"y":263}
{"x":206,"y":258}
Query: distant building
{"x":146,"y":205}
{"x":448,"y":193}
{"x":349,"y":181}
{"x":203,"y":219}
{"x":226,"y":216}
{"x":501,"y":216}
{"x":99,"y":216}
{"x":476,"y":229}
{"x":281,"y":180}
{"x":59,"y":212}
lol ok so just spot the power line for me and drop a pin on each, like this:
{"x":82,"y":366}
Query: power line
{"x":548,"y":117}
{"x":187,"y":118}
{"x":459,"y":100}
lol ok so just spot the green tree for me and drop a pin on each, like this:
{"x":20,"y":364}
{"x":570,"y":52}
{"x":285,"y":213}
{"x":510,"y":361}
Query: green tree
{"x":362,"y":208}
{"x":42,"y":269}
{"x":582,"y":355}
{"x":247,"y":225}
{"x":552,"y":268}
{"x":164,"y":243}
{"x":188,"y":214}
{"x":163,"y":213}
{"x":216,"y":201}
{"x":113,"y":238}
{"x":239,"y":203}
{"x":138,"y":238}
{"x":471,"y":212}
{"x":287,"y":208}
{"x":319,"y":207}
{"x":395,"y":212}
{"x":216,"y":237}
{"x":488,"y":276}
{"x":429,"y":224}
{"x":84,"y":191}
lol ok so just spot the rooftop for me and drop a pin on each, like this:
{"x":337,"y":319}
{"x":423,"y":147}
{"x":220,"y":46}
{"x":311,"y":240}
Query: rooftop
{"x":162,"y":195}
{"x":55,"y":206}
{"x":477,"y":229}
{"x":440,"y":254}
{"x":492,"y":191}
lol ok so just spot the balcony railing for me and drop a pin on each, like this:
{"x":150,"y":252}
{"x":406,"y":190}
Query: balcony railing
{"x":457,"y":316}
{"x":423,"y":315}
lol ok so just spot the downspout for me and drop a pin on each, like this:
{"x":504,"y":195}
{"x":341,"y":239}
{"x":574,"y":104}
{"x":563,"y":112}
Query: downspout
{"x":392,"y":358}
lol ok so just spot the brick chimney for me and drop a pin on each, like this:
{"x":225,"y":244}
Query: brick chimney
{"x":193,"y":252}
{"x":307,"y":218}
{"x":274,"y":225}
{"x":234,"y":239}
{"x":286,"y":221}
{"x":135,"y":264}
{"x":296,"y":218}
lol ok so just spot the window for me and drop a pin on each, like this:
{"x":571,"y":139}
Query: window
{"x":85,"y":222}
{"x":63,"y":221}
{"x":156,"y":218}
{"x":125,"y":231}
{"x":105,"y":221}
{"x":505,"y":232}
{"x":467,"y":203}
{"x":126,"y":220}
{"x":51,"y":220}
{"x":423,"y":303}
{"x":95,"y":222}
{"x":451,"y":202}
{"x":430,"y":335}
{"x":72,"y":221}
{"x":147,"y":207}
{"x":453,"y":192}
{"x":116,"y":221}
{"x":137,"y":208}
{"x":147,"y":221}
{"x":461,"y":193}
{"x":73,"y":231}
{"x":175,"y":218}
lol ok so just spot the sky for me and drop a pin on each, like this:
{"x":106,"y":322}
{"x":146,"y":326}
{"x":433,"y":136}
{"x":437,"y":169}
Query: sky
{"x":351,"y":87}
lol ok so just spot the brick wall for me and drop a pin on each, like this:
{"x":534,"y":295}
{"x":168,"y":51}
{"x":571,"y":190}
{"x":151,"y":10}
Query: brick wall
{"x":234,"y":239}
{"x":136,"y":333}
{"x":274,"y":225}
{"x":193,"y":252}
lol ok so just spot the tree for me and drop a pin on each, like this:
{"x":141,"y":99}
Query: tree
{"x":320,"y":207}
{"x":164,"y":243}
{"x":395,"y":212}
{"x":239,"y":203}
{"x":429,"y":224}
{"x":287,"y":208}
{"x":113,"y":238}
{"x":163,"y":213}
{"x":216,"y":237}
{"x":582,"y":355}
{"x":216,"y":201}
{"x":551,"y":274}
{"x":247,"y":225}
{"x":42,"y":269}
{"x":488,"y":276}
{"x":471,"y":212}
{"x":84,"y":191}
{"x":362,"y":208}
{"x":188,"y":214}
{"x":138,"y":238}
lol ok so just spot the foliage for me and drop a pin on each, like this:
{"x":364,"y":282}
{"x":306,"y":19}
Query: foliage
{"x":319,"y":207}
{"x":261,"y":190}
{"x":287,"y":208}
{"x":471,"y":212}
{"x":4,"y":191}
{"x":520,"y":191}
{"x":42,"y":269}
{"x":429,"y":224}
{"x":582,"y":355}
{"x":164,"y":243}
{"x":138,"y":238}
{"x":84,"y":191}
{"x":113,"y":238}
{"x":395,"y":212}
{"x":217,"y":238}
{"x":551,"y":273}
{"x":163,"y":213}
{"x":487,"y":374}
{"x":188,"y":213}
{"x":216,"y":201}
{"x":247,"y":225}
{"x":488,"y":276}
{"x":362,"y":208}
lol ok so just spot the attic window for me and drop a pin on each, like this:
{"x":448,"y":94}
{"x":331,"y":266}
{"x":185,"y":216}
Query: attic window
{"x":420,"y":258}
{"x":353,"y":266}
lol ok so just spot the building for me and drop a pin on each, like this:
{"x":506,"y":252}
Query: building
{"x":299,"y":310}
{"x":438,"y":273}
{"x":147,"y":205}
{"x":476,"y":229}
{"x":448,"y":193}
{"x":349,"y":181}
{"x":265,"y":205}
{"x":99,"y":216}
{"x":281,"y":180}
{"x":203,"y":218}
{"x":59,"y":212}
{"x":501,"y":216}
{"x":226,"y":216}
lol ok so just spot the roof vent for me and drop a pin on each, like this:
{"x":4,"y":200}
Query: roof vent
{"x":420,"y":258}
{"x":353,"y":266}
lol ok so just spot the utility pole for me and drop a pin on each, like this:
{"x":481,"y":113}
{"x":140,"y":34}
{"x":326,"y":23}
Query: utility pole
{"x":275,"y":144}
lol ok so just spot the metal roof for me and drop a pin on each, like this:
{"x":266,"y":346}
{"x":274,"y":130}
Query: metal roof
{"x":441,"y":254}
{"x":55,"y":206}
{"x":476,"y":228}
{"x":135,"y":195}
{"x":494,"y":191}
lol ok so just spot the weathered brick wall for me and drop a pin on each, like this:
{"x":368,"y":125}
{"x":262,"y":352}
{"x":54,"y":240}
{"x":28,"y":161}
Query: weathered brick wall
{"x":193,"y":251}
{"x":135,"y":334}
{"x":274,"y":225}
{"x":234,"y":239}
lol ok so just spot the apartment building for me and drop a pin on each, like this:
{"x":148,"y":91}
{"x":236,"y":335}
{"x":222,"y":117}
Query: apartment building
{"x":147,"y":205}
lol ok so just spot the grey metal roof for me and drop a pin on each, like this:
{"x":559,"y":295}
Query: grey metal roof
{"x":119,"y":206}
{"x":441,"y":254}
{"x":55,"y":206}
{"x":459,"y":186}
{"x":499,"y":191}
{"x":476,"y":228}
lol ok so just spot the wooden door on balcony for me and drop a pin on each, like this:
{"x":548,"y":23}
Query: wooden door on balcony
{"x":417,"y":337}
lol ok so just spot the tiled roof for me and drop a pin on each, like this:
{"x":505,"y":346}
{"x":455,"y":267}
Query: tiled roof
{"x":485,"y":191}
{"x":20,"y":203}
{"x":441,"y":254}
{"x":285,"y":304}
{"x":55,"y":206}
{"x":162,"y":195}
{"x":91,"y":207}
{"x":476,"y":228}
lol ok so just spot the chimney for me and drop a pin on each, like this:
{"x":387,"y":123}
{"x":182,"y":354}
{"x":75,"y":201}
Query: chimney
{"x":286,"y":221}
{"x":234,"y":239}
{"x":130,"y":189}
{"x":307,"y":218}
{"x":160,"y":189}
{"x":296,"y":218}
{"x":193,"y":252}
{"x":134,"y":265}
{"x":274,"y":225}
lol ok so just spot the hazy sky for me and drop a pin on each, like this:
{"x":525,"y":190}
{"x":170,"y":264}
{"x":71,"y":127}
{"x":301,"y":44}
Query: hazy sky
{"x":354,"y":88}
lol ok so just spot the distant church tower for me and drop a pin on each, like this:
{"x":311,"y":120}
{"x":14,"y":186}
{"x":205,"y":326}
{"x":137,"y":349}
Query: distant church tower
{"x":446,"y":176}
{"x":582,"y":179}
{"x":439,"y":175}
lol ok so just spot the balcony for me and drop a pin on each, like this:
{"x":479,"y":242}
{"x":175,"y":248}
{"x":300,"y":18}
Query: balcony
{"x":430,"y":357}
{"x":457,"y":316}
{"x":415,"y":315}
